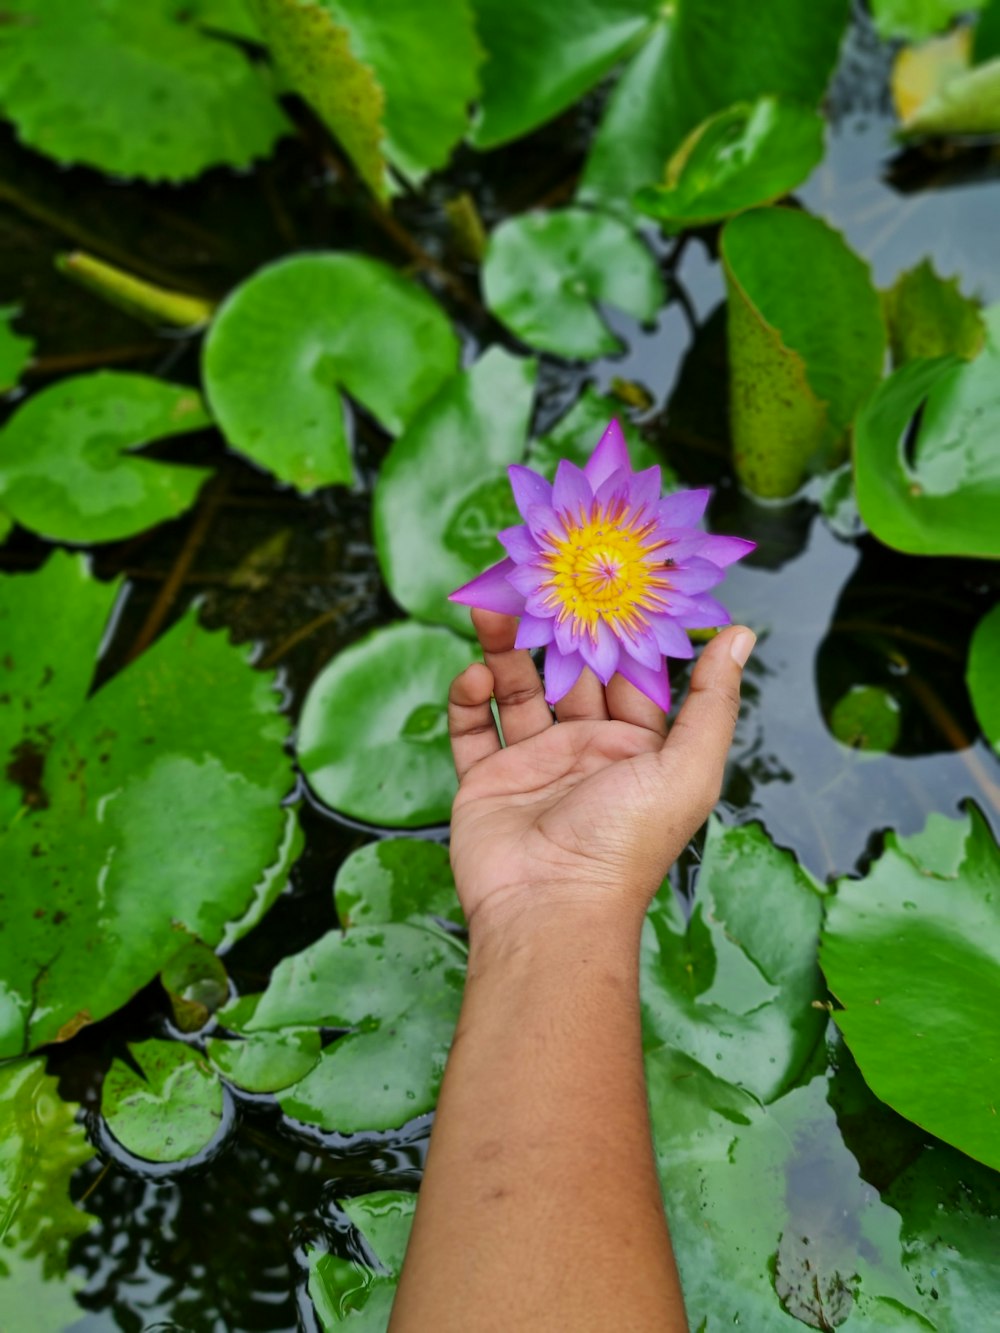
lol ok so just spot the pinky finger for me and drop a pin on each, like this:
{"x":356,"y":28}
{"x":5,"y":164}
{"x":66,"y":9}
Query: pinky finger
{"x":471,"y":725}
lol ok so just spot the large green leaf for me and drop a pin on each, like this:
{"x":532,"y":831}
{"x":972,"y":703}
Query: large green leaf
{"x":15,"y":349}
{"x":394,"y":880}
{"x":398,"y":986}
{"x":703,"y":56}
{"x":944,"y":501}
{"x":806,"y":344}
{"x":928,"y":316}
{"x":356,"y":1292}
{"x":983,"y":675}
{"x":373,"y":737}
{"x":40,"y":1148}
{"x":156,"y":806}
{"x":751,"y":153}
{"x":443,"y":493}
{"x":543,"y":274}
{"x":542,"y":58}
{"x":170,"y":1109}
{"x":725,"y":987}
{"x":288,"y":341}
{"x":68,"y":468}
{"x":138,"y":90}
{"x":913,"y":955}
{"x":265,"y":1061}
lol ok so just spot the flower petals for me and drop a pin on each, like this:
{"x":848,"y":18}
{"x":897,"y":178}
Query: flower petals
{"x":613,"y":487}
{"x":562,"y":671}
{"x":526,"y":578}
{"x":601,"y":654}
{"x":644,"y":487}
{"x":491,"y":591}
{"x":643,"y":647}
{"x":723,"y":551}
{"x":611,"y":455}
{"x":572,"y":490}
{"x":654,"y":685}
{"x":518,"y":543}
{"x":670,"y":638}
{"x":533,"y":632}
{"x":543,"y":522}
{"x":698,"y":612}
{"x":528,"y":487}
{"x":695,"y":575}
{"x":683,"y":509}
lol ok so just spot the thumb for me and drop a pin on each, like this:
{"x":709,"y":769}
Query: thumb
{"x":699,"y":740}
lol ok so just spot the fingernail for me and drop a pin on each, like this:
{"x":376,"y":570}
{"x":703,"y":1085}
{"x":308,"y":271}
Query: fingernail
{"x":742,"y":646}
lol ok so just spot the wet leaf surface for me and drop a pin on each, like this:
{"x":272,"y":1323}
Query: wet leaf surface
{"x":928,"y":316}
{"x":352,"y":1291}
{"x":169,"y":1110}
{"x":394,"y":880}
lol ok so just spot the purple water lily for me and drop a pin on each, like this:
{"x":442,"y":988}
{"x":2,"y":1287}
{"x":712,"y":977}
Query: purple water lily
{"x":604,"y":573}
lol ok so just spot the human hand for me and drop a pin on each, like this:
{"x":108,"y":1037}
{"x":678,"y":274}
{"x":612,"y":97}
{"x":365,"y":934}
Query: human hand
{"x":592,"y":811}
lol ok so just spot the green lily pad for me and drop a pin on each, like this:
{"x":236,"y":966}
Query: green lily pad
{"x":751,"y":153}
{"x":398,"y":987}
{"x":68,"y":468}
{"x":265,"y":1061}
{"x":373,"y":736}
{"x":15,"y":349}
{"x":806,"y":344}
{"x":928,"y":316}
{"x":169,"y":1111}
{"x":944,"y":501}
{"x":912,"y":954}
{"x":575,"y":436}
{"x":356,"y":1292}
{"x":394,"y":880}
{"x":42,"y":1146}
{"x":195,"y":980}
{"x":982,"y":675}
{"x":917,"y":19}
{"x":154,"y":806}
{"x":699,"y":59}
{"x":443,"y":492}
{"x":544,"y":272}
{"x":986,"y":35}
{"x":967,"y":104}
{"x":291,"y":339}
{"x":866,"y":718}
{"x":725,"y":987}
{"x":173,"y":98}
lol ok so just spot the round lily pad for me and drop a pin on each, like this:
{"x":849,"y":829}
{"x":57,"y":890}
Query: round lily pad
{"x":394,"y":880}
{"x":288,"y":343}
{"x":265,"y":1061}
{"x":68,"y":468}
{"x":866,"y":718}
{"x":544,"y":273}
{"x":169,"y":1111}
{"x":373,"y":739}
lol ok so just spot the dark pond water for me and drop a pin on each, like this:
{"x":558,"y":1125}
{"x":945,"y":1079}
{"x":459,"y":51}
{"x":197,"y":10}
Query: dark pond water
{"x":219,"y":1246}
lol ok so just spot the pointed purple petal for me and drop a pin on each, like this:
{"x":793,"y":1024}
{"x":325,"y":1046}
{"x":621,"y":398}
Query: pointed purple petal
{"x":491,"y":591}
{"x":601,"y":655}
{"x":611,"y":455}
{"x":654,"y":685}
{"x":698,"y":612}
{"x":684,"y":509}
{"x":533,"y":632}
{"x":643,"y":647}
{"x":679,"y":543}
{"x":644,"y":487}
{"x":670,"y":638}
{"x":562,"y":671}
{"x":695,"y":576}
{"x":723,"y":551}
{"x":528,"y":487}
{"x":518,"y":543}
{"x":537,"y":603}
{"x":572,"y":492}
{"x":616,"y":484}
{"x":526,"y":578}
{"x":567,"y":635}
{"x":543,"y":522}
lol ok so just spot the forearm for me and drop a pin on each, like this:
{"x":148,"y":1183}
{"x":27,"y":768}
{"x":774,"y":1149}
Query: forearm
{"x":540,"y":1208}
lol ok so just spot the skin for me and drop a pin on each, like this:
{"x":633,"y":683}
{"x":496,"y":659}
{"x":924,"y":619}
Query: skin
{"x":540,"y":1207}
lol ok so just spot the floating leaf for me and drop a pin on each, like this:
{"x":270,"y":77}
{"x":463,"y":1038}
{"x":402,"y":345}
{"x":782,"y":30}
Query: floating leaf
{"x":542,"y":58}
{"x":196,"y":982}
{"x":545,"y":272}
{"x":969,"y":103}
{"x":912,"y":956}
{"x":574,"y":434}
{"x":15,"y":349}
{"x":866,"y":718}
{"x":231,"y":17}
{"x":394,"y":880}
{"x":42,"y":1147}
{"x":399,"y":987}
{"x":724,"y":987}
{"x":806,"y":344}
{"x":170,"y":1110}
{"x":297,"y":334}
{"x":265,"y":1061}
{"x":928,"y":316}
{"x":917,"y":19}
{"x":699,"y":59}
{"x":920,"y":72}
{"x":983,"y":675}
{"x":751,"y":153}
{"x":67,"y":465}
{"x":173,"y":98}
{"x":937,"y":494}
{"x":986,"y":36}
{"x":443,"y":493}
{"x":357,"y":1293}
{"x":155,"y":305}
{"x":155,"y":805}
{"x":373,"y":737}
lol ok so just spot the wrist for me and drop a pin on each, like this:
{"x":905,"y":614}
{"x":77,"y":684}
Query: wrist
{"x":546,"y":918}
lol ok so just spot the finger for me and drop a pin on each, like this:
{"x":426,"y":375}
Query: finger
{"x":700,"y":738}
{"x":471,"y":726}
{"x":516,"y":684}
{"x":585,"y":702}
{"x":627,"y":704}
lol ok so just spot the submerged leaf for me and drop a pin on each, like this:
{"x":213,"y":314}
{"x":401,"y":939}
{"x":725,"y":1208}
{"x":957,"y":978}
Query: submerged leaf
{"x":912,"y":955}
{"x":544,"y":274}
{"x":171,"y":1109}
{"x":361,"y":1293}
{"x":928,"y":316}
{"x":866,"y":718}
{"x":288,"y":341}
{"x":983,"y":675}
{"x":68,"y":468}
{"x":443,"y":490}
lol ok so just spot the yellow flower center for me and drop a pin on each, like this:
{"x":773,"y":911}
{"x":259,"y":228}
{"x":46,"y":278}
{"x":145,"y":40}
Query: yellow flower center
{"x":605,"y":565}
